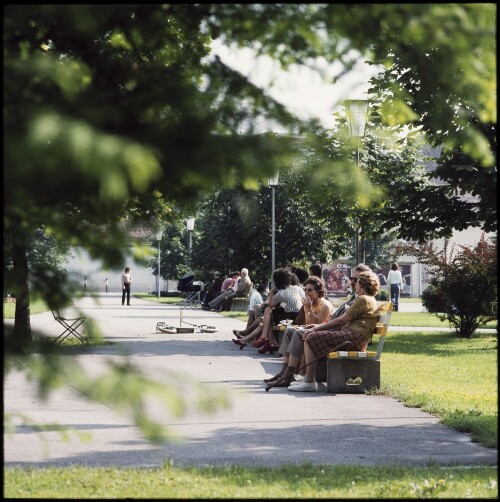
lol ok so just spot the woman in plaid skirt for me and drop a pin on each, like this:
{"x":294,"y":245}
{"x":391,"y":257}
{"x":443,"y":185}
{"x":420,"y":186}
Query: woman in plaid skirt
{"x":355,"y":325}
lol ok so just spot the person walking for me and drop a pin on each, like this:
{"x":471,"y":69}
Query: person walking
{"x":126,"y":281}
{"x":395,"y":281}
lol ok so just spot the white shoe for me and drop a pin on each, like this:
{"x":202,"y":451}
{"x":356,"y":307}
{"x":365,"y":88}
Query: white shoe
{"x":304,"y":387}
{"x":299,"y":378}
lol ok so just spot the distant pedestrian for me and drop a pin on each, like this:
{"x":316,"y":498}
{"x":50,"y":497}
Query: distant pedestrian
{"x":126,"y":282}
{"x":395,"y":281}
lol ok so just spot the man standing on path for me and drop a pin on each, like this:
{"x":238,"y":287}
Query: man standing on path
{"x":126,"y":281}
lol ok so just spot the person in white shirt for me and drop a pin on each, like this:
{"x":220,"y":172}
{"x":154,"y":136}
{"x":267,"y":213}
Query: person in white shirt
{"x":256,"y":297}
{"x":126,"y":281}
{"x":395,"y":281}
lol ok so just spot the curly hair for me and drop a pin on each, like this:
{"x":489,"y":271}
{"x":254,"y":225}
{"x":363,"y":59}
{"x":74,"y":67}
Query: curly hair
{"x":369,"y":281}
{"x":281,"y":278}
{"x":317,"y":284}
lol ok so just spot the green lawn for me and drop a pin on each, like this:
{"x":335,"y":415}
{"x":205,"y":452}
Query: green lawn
{"x":298,"y":482}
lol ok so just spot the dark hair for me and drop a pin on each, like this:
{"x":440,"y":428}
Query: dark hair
{"x":261,"y":288}
{"x":302,"y":274}
{"x":394,"y":266}
{"x":292,"y":267}
{"x":315,"y":269}
{"x":281,"y":278}
{"x":317,"y":283}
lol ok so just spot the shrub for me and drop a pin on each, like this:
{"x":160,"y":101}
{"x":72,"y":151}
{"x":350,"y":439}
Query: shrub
{"x":463,"y":284}
{"x":382,"y":295}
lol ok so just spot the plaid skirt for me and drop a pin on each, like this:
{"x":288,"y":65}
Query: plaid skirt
{"x":322,"y":342}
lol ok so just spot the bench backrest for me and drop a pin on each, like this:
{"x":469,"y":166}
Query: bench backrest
{"x":385,"y":312}
{"x":382,"y":327}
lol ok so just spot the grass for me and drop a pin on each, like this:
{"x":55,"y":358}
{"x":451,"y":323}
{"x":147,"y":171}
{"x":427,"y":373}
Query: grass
{"x":452,"y":378}
{"x":406,"y":319}
{"x":305,"y":481}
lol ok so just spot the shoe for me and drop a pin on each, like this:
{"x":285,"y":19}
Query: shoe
{"x":285,"y":383}
{"x":298,"y":379}
{"x":268,"y":347}
{"x":205,"y":307}
{"x":296,"y":382}
{"x":238,"y":334}
{"x":259,"y":342}
{"x":240,"y":343}
{"x":274,"y":378}
{"x":304,"y":387}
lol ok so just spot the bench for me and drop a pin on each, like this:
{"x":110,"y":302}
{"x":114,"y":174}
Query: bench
{"x":240,"y":303}
{"x":353,"y":372}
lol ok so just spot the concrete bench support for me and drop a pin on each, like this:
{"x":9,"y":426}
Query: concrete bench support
{"x":341,"y":371}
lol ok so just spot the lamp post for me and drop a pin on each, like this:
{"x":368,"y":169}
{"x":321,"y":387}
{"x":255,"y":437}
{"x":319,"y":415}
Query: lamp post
{"x":158,"y":238}
{"x":272,"y":183}
{"x":357,"y":114}
{"x":190,"y":228}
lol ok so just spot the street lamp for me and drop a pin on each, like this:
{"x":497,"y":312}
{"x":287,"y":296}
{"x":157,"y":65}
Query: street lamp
{"x":272,"y":183}
{"x":158,"y":238}
{"x":190,"y":228}
{"x":357,"y":114}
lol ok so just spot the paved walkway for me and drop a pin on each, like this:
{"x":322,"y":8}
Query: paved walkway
{"x":260,"y":428}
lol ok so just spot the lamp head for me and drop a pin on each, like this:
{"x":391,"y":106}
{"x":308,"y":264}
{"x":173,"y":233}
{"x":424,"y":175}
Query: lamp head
{"x":274,"y":180}
{"x":357,"y":114}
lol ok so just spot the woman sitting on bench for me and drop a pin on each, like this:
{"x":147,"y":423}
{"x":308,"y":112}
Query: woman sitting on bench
{"x":356,"y":324}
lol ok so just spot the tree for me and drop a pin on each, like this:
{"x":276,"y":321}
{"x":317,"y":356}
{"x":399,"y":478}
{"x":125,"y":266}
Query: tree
{"x":463,"y":287}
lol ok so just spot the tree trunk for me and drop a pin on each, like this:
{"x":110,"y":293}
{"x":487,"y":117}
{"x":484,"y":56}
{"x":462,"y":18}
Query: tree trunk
{"x":22,"y":325}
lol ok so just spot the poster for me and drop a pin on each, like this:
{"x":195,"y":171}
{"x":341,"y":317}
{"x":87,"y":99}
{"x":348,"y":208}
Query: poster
{"x":336,"y":277}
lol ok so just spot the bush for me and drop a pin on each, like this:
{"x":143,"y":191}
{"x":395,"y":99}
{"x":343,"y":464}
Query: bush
{"x":382,"y":295}
{"x":463,"y":285}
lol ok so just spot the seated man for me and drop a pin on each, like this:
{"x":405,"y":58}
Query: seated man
{"x":228,"y":283}
{"x":214,"y":289}
{"x":242,"y":288}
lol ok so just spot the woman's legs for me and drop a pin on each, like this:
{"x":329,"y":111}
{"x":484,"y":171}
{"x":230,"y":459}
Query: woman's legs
{"x":268,"y":327}
{"x":311,"y":362}
{"x":251,"y":318}
{"x":254,"y":334}
{"x":250,"y":328}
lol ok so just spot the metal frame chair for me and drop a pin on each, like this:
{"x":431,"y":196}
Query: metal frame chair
{"x":70,"y":326}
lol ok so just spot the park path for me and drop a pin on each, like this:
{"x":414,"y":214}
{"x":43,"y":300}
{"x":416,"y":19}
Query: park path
{"x":259,"y":428}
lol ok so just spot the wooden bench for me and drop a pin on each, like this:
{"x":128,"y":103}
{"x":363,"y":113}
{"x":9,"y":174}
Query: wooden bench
{"x":353,"y":372}
{"x":240,"y":303}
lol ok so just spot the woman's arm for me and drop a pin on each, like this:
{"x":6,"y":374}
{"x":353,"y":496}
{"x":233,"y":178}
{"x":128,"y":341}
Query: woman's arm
{"x":319,"y":318}
{"x":339,"y":321}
